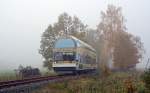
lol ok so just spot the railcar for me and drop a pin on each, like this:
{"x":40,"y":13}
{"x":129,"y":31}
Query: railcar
{"x":72,"y":55}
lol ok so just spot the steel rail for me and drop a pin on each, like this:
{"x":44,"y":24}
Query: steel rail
{"x":12,"y":83}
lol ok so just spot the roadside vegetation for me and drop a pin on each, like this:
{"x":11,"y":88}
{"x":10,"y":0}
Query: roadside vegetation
{"x":118,"y":82}
{"x":112,"y":82}
{"x":8,"y":75}
{"x":14,"y":75}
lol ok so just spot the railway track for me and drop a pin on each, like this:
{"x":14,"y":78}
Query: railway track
{"x":13,"y":85}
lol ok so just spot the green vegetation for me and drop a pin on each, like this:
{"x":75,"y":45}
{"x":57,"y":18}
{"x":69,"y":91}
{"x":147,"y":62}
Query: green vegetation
{"x":120,"y":82}
{"x":11,"y":75}
{"x":146,"y":79}
{"x":8,"y":75}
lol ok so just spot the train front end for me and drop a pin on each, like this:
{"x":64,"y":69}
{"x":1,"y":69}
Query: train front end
{"x":64,"y":56}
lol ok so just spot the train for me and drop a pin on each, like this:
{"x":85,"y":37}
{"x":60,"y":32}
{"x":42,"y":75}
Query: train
{"x":72,"y":55}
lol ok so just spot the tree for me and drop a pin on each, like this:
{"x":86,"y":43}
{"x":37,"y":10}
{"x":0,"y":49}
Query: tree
{"x":122,"y":48}
{"x":127,"y":51}
{"x":65,"y":25}
{"x":47,"y":42}
{"x":111,"y":21}
{"x":69,"y":25}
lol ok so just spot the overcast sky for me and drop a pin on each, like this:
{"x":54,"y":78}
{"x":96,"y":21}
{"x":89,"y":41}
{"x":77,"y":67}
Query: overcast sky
{"x":23,"y":21}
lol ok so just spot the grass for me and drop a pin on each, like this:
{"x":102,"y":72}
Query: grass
{"x":120,"y":82}
{"x":8,"y":75}
{"x":11,"y":75}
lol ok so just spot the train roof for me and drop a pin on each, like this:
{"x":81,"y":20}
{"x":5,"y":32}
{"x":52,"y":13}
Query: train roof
{"x":71,"y":41}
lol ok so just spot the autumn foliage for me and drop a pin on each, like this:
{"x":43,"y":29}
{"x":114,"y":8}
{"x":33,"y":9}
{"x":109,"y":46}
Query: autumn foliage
{"x":121,"y":47}
{"x":127,"y":51}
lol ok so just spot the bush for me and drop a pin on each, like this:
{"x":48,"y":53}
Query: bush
{"x":146,"y":78}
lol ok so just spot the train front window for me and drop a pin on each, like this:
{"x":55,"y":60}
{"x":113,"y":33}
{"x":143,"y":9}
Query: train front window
{"x":65,"y":56}
{"x":58,"y":56}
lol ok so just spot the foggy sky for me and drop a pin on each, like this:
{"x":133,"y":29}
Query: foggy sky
{"x":23,"y":21}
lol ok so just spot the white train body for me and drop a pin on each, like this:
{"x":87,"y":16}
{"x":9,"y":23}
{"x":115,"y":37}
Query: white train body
{"x":72,"y":55}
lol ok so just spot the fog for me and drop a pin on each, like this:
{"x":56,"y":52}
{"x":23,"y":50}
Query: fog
{"x":23,"y":21}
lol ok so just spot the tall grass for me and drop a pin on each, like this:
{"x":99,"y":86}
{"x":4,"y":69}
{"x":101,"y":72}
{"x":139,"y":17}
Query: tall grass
{"x":8,"y":75}
{"x":114,"y":83}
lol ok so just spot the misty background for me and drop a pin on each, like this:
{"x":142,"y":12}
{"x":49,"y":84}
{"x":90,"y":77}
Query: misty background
{"x":23,"y":21}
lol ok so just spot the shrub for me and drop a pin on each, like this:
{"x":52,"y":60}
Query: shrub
{"x":146,"y":78}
